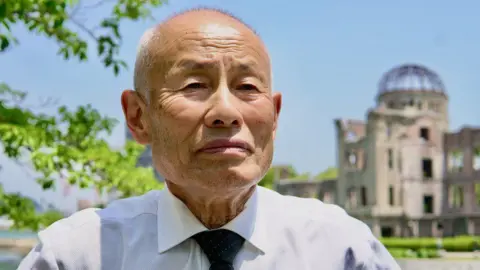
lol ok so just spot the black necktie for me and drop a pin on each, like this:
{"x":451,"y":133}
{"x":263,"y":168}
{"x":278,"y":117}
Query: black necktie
{"x":221,"y":246}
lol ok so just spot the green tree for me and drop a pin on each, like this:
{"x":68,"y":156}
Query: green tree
{"x":329,"y":173}
{"x":268,"y":180}
{"x":302,"y":176}
{"x":50,"y":216}
{"x":68,"y":146}
{"x":274,"y":174}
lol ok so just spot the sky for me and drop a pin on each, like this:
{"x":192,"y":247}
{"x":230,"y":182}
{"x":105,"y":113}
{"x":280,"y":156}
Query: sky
{"x":327,"y":58}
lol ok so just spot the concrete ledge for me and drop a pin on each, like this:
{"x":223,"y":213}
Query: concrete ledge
{"x":20,"y":246}
{"x":460,"y":255}
{"x":438,"y":264}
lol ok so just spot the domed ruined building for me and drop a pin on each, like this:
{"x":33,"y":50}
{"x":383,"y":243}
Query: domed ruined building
{"x":391,"y":166}
{"x":412,"y":87}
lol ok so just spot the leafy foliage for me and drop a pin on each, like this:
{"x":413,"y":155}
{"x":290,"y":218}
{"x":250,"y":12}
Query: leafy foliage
{"x":68,"y":146}
{"x":21,"y":211}
{"x":302,"y":176}
{"x":57,"y":19}
{"x":268,"y":180}
{"x":275,"y":173}
{"x":329,"y":173}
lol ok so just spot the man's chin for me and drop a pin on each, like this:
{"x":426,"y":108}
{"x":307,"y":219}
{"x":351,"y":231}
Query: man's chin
{"x":231,"y":178}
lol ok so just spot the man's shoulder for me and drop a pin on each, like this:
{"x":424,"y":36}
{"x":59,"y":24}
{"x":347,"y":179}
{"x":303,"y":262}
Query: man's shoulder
{"x":80,"y":239}
{"x":323,"y":227}
{"x":92,"y":220}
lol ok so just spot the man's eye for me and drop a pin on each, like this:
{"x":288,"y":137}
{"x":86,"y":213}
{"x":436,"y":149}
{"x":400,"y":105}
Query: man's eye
{"x":196,"y":86}
{"x":247,"y":87}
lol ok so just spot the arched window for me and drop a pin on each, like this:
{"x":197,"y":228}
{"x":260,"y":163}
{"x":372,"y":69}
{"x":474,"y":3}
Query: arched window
{"x":351,"y":136}
{"x":351,"y":158}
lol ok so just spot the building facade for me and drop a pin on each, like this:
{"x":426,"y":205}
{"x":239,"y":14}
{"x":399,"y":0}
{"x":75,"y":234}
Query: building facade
{"x":461,"y":208}
{"x":400,"y":170}
{"x":391,"y":165}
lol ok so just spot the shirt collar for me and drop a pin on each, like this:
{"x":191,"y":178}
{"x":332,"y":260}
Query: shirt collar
{"x":176,"y":223}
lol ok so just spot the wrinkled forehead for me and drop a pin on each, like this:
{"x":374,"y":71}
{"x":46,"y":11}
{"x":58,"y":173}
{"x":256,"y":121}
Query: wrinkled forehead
{"x":210,"y":22}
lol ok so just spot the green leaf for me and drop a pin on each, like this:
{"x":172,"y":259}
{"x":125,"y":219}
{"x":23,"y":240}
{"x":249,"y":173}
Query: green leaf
{"x":116,"y":69}
{"x":3,"y":10}
{"x":4,"y":43}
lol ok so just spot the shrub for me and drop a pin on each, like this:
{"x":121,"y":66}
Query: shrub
{"x":452,"y":244}
{"x":409,"y":253}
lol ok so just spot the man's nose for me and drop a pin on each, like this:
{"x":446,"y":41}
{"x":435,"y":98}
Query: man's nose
{"x":223,"y":112}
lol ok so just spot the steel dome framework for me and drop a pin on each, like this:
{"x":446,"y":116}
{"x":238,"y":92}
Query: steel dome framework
{"x":410,"y":77}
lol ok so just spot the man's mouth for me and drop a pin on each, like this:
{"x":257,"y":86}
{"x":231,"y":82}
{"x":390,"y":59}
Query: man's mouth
{"x":226,"y":146}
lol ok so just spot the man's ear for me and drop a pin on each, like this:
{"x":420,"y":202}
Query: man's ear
{"x":134,"y":109}
{"x":277,"y":103}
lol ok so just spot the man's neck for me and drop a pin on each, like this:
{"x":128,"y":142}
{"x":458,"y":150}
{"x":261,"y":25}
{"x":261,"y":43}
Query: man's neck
{"x":212,"y":210}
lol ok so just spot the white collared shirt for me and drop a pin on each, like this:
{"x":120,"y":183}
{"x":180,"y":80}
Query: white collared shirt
{"x":152,"y":232}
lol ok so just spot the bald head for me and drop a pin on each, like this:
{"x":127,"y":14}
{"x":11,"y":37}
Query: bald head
{"x":160,"y":42}
{"x":207,"y":11}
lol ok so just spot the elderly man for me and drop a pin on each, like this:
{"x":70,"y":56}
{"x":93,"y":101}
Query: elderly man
{"x":203,"y":101}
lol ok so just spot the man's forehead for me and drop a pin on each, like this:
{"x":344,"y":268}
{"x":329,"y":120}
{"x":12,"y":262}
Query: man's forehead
{"x":215,"y":26}
{"x":175,"y":36}
{"x":192,"y":60}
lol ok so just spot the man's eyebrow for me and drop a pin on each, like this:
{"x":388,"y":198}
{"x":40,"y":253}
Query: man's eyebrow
{"x":249,"y":67}
{"x":246,"y":66}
